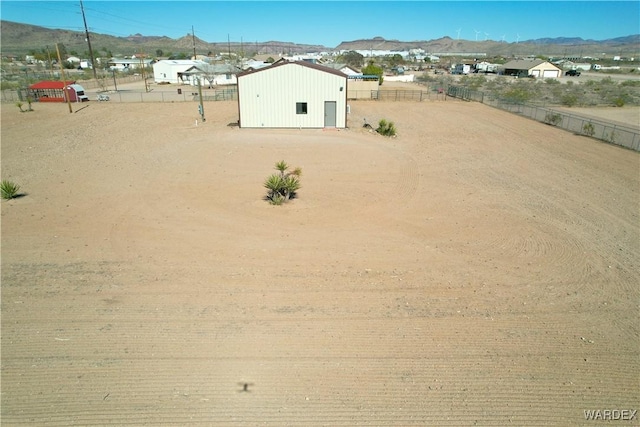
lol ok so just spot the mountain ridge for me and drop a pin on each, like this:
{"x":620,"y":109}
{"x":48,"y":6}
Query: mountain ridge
{"x":19,"y":38}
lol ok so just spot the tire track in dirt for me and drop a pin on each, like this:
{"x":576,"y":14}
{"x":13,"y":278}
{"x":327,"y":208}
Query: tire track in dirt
{"x":321,"y":388}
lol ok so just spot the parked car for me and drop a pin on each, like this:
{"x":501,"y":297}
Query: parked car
{"x":572,"y":73}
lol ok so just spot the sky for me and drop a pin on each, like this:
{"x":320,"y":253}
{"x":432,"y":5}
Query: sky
{"x":328,"y":23}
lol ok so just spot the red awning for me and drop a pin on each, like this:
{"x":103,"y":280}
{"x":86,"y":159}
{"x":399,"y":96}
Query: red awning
{"x":49,"y":84}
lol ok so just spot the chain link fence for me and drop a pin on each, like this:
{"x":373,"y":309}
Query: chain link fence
{"x":602,"y":130}
{"x":599,"y":129}
{"x":180,"y":94}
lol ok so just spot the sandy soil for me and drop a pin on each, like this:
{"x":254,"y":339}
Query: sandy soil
{"x":479,"y":269}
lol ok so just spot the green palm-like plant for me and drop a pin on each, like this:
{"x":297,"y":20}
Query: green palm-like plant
{"x":9,"y":189}
{"x":273,"y":183}
{"x":290,"y":185}
{"x":386,"y":128}
{"x":282,"y":186}
{"x":282,"y":166}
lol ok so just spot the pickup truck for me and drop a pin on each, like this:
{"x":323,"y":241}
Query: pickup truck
{"x":573,"y":73}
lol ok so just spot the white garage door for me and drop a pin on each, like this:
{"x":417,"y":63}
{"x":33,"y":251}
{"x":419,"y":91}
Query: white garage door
{"x":550,"y":73}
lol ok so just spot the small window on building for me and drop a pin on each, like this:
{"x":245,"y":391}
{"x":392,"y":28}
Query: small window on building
{"x":301,"y":108}
{"x":228,"y":76}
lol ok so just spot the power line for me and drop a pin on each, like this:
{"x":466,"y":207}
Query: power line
{"x":125,"y":20}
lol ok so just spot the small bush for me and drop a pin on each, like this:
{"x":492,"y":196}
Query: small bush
{"x":588,"y":129}
{"x":618,"y":102}
{"x":630,"y":83}
{"x":9,"y":190}
{"x":553,"y":119}
{"x":386,"y":128}
{"x":611,"y":137}
{"x":569,"y":99}
{"x":282,"y":186}
{"x":19,"y":105}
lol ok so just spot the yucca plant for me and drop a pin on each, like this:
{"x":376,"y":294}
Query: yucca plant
{"x":9,"y":189}
{"x":282,"y":186}
{"x":282,"y":166}
{"x":386,"y":128}
{"x":290,"y":185}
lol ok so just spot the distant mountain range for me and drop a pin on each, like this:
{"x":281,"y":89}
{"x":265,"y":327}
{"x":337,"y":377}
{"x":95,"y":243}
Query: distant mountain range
{"x":21,"y":39}
{"x":565,"y":46}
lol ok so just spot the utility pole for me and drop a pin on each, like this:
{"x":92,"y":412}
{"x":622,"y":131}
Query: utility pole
{"x":201,"y":106}
{"x":144,"y":77}
{"x":86,"y":30}
{"x":64,"y":82}
{"x":193,"y":39}
{"x":115,"y":84}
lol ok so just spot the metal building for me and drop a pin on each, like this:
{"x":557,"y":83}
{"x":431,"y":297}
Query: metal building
{"x":292,"y":95}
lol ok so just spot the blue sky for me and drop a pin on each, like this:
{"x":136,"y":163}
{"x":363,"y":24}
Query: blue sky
{"x":330,"y":22}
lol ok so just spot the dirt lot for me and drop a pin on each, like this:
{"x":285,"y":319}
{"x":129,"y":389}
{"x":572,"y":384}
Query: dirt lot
{"x":479,"y":269}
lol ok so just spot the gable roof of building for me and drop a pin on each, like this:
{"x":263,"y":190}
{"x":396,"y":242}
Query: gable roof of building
{"x":299,"y":63}
{"x":181,"y":62}
{"x":524,"y":64}
{"x":340,"y":66}
{"x":51,"y":84}
{"x":213,"y":69}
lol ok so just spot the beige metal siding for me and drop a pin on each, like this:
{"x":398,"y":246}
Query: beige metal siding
{"x":268,"y":98}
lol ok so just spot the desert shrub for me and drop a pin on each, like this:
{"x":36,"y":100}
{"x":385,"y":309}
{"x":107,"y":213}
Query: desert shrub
{"x":9,"y":189}
{"x":282,"y":186}
{"x":553,"y":119}
{"x":630,"y":83}
{"x":610,"y":137}
{"x":618,"y":101}
{"x":386,"y":128}
{"x":607,"y":81}
{"x":521,"y":91}
{"x":516,"y":95}
{"x":474,"y":82}
{"x":9,"y":85}
{"x":427,"y":78}
{"x":588,"y":129}
{"x":569,"y":99}
{"x":19,"y":105}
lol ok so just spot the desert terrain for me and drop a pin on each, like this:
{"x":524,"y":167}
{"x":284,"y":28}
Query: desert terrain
{"x":478,"y":269}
